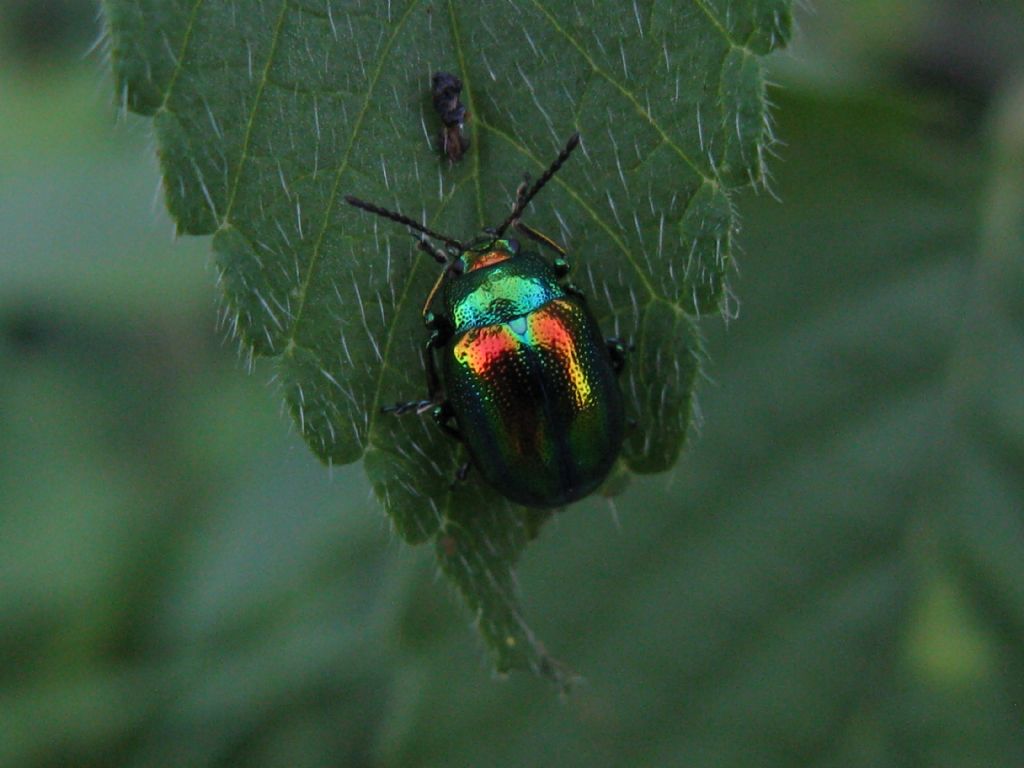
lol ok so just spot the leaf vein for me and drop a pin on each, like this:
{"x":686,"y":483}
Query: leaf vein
{"x":332,"y":199}
{"x":180,"y":63}
{"x":244,"y":156}
{"x":703,"y":6}
{"x":599,"y":220}
{"x":474,"y":144}
{"x":629,"y":95}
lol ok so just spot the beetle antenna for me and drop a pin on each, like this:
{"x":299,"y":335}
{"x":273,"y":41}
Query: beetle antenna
{"x":523,"y":200}
{"x":402,"y":219}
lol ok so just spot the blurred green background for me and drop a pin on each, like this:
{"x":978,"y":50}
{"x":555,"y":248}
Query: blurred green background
{"x":832,"y":576}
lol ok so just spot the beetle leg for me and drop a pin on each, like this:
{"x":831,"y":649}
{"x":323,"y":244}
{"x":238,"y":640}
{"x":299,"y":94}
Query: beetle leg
{"x":461,"y":474}
{"x":572,"y":290}
{"x":617,"y":349}
{"x":413,"y":406}
{"x":433,"y":383}
{"x":521,"y":191}
{"x":427,"y":247}
{"x":561,"y":267}
{"x":438,"y":338}
{"x":540,"y":237}
{"x":444,"y":415}
{"x":441,"y":328}
{"x":529,"y":231}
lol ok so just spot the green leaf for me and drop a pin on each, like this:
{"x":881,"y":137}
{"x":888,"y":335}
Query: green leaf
{"x":266,"y":114}
{"x":833,"y":577}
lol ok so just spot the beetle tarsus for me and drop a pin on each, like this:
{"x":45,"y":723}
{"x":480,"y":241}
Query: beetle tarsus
{"x":412,"y":406}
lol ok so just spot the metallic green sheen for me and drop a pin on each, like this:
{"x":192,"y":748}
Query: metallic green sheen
{"x":531,"y":383}
{"x":508,"y":289}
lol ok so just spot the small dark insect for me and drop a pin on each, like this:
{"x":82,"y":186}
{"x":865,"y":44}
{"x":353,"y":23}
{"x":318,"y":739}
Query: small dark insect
{"x":453,"y":114}
{"x":516,"y":366}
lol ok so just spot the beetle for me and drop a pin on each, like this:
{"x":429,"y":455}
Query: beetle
{"x":517,"y":368}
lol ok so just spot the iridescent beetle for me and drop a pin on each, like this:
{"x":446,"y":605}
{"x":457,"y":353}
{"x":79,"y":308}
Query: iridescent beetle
{"x":527,"y":382}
